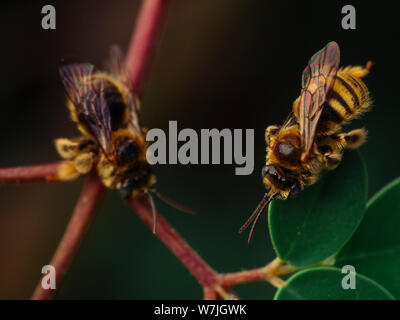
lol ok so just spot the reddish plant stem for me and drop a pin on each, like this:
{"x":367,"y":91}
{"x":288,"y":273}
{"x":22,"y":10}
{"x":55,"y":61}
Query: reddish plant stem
{"x":268,"y":273}
{"x":209,"y":294}
{"x":204,"y":274}
{"x":234,"y":278}
{"x":41,"y":172}
{"x":92,"y":193}
{"x":143,"y":41}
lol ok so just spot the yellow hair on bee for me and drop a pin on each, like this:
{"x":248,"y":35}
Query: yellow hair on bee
{"x":140,"y":140}
{"x":67,"y":171}
{"x":270,"y":132}
{"x":67,"y":148}
{"x":106,"y":171}
{"x":84,"y":162}
{"x":290,"y":133}
{"x":358,"y":71}
{"x":77,"y":151}
{"x":354,"y":138}
{"x":295,"y":107}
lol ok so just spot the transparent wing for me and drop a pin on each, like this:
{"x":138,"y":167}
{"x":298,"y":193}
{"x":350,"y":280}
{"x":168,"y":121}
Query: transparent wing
{"x":318,"y":77}
{"x":117,"y":67}
{"x":89,"y":100}
{"x":290,"y":120}
{"x":73,"y":77}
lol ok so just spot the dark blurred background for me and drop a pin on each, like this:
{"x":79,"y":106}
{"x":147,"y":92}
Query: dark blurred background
{"x":220,"y":64}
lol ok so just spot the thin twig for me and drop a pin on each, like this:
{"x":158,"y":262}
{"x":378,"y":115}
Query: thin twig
{"x":225,"y":293}
{"x":209,"y":294}
{"x":204,"y":274}
{"x":286,"y":269}
{"x":267,"y":273}
{"x":92,"y":193}
{"x":42,"y":172}
{"x":234,"y":278}
{"x":143,"y":41}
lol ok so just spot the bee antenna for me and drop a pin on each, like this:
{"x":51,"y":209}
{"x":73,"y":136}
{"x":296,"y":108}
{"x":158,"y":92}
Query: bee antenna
{"x":173,"y":203}
{"x":153,"y":210}
{"x":255,"y":216}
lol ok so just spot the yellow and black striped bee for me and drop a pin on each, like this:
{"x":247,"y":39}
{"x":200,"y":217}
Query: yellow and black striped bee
{"x":105,"y":109}
{"x":312,"y":139}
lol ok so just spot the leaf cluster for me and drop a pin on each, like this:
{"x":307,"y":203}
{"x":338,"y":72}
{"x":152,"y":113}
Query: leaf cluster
{"x":332,"y":224}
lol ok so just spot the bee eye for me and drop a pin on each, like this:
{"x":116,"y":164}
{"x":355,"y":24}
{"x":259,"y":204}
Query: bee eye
{"x":286,"y":149}
{"x":288,"y":152}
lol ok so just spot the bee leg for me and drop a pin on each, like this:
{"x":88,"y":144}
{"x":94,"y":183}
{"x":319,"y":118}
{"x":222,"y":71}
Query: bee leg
{"x":107,"y":173}
{"x":271,"y":131}
{"x":332,"y":160}
{"x":66,"y":148}
{"x":84,"y":162}
{"x":331,"y":154}
{"x":353,"y":139}
{"x":359,"y":71}
{"x":66,"y":171}
{"x":70,"y":148}
{"x":78,"y":153}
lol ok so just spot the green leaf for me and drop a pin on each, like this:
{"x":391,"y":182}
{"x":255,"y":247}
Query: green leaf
{"x":325,"y":283}
{"x":317,"y":224}
{"x":374,"y":250}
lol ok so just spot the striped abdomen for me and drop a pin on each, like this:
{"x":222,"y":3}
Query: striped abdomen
{"x":346,"y":100}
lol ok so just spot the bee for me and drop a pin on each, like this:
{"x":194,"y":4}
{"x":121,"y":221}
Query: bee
{"x":311,"y":139}
{"x":112,"y":142}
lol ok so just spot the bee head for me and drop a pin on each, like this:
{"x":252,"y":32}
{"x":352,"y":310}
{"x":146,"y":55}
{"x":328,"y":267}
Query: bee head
{"x":287,"y":149}
{"x":281,"y":180}
{"x":139,"y":176}
{"x":127,"y":187}
{"x":284,"y":145}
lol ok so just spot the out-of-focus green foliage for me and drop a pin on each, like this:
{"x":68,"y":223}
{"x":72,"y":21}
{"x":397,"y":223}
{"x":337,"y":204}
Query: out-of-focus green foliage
{"x":374,"y":250}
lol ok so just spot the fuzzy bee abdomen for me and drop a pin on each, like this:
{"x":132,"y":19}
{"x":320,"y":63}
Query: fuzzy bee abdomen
{"x":346,"y":100}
